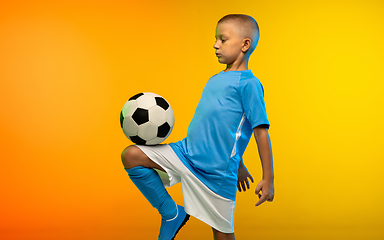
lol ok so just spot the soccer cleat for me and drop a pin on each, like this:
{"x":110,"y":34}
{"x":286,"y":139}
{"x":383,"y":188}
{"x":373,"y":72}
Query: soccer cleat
{"x":169,"y":228}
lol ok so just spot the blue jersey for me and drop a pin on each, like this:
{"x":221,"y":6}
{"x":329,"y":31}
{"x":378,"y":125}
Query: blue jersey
{"x":231,"y":105}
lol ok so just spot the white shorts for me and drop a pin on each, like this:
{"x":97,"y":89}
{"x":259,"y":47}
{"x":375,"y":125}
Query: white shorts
{"x":199,"y":201}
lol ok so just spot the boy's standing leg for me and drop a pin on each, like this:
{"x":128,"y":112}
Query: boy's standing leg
{"x":140,"y":169}
{"x":222,"y":236}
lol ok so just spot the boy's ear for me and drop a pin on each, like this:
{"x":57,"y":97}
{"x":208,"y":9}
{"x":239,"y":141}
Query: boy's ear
{"x":246,"y":44}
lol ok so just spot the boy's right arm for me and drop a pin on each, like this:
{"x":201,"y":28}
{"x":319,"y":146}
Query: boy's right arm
{"x":266,"y":185}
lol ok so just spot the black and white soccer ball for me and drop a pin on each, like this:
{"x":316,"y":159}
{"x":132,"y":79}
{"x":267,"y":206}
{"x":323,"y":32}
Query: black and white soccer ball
{"x":147,"y":119}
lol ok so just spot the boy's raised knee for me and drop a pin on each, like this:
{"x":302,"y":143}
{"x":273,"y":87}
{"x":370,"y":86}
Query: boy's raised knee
{"x":130,"y":156}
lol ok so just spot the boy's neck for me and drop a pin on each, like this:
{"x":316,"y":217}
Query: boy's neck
{"x":237,"y":67}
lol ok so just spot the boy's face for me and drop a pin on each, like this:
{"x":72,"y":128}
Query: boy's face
{"x":228,"y":43}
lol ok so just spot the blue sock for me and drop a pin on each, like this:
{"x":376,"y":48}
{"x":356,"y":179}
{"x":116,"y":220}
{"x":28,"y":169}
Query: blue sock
{"x":150,"y":185}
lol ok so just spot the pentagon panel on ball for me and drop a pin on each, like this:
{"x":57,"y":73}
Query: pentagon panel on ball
{"x":147,"y":119}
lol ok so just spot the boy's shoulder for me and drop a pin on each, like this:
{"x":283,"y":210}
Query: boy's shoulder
{"x":249,"y":81}
{"x":247,"y":77}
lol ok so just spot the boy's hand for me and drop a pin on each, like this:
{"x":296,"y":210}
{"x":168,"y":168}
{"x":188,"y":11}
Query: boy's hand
{"x":242,"y":177}
{"x":268,"y":191}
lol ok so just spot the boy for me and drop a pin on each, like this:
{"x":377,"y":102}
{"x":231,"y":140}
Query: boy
{"x":208,"y":162}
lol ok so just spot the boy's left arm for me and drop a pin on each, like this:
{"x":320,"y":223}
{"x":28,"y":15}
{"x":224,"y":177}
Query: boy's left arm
{"x":242,"y":177}
{"x":266,"y":185}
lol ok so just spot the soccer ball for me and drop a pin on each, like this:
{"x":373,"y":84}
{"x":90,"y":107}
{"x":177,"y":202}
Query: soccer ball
{"x":147,"y":119}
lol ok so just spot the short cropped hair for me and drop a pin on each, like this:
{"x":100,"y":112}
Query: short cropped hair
{"x":247,"y":26}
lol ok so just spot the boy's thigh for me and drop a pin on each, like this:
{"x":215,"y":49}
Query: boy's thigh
{"x":132,"y":156}
{"x":206,"y":205}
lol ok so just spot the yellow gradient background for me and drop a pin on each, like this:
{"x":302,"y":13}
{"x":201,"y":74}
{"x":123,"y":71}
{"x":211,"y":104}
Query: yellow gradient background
{"x":68,"y":67}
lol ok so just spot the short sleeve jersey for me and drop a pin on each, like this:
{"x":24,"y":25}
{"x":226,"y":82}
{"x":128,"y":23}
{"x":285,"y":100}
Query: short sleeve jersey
{"x":231,"y":105}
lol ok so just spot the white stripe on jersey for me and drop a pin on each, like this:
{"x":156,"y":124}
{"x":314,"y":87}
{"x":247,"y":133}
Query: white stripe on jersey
{"x":238,"y":134}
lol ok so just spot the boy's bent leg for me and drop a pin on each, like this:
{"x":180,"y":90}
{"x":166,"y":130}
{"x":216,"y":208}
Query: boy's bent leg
{"x":217,"y":235}
{"x":146,"y":179}
{"x":139,"y":168}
